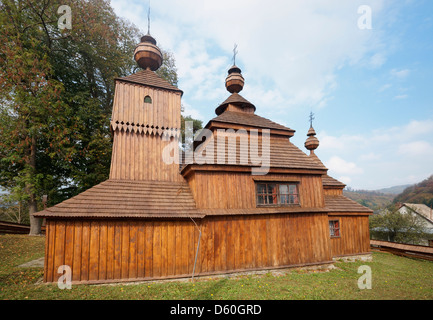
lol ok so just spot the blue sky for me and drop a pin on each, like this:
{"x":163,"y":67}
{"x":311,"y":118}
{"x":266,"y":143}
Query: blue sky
{"x":371,"y":89}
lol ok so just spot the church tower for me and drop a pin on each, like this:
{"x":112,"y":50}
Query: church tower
{"x":145,"y":120}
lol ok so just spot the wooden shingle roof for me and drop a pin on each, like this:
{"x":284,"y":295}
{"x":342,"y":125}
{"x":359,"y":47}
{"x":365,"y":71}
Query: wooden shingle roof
{"x":342,"y":204}
{"x":328,"y":181}
{"x":282,"y":154}
{"x":236,"y":99}
{"x":149,"y":78}
{"x":129,"y":199}
{"x":249,"y":119}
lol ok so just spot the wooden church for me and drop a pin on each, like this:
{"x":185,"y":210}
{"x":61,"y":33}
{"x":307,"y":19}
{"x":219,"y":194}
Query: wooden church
{"x":156,"y":219}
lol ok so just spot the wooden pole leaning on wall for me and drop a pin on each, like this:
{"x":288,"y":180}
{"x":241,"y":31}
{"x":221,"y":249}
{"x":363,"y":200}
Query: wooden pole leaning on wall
{"x":197,"y":250}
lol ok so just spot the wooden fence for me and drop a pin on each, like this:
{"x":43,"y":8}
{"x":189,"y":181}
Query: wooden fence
{"x":401,"y":249}
{"x":15,"y":228}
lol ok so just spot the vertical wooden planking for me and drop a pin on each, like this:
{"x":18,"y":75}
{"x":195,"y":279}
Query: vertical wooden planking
{"x":69,"y":245}
{"x":110,"y":250}
{"x":117,"y":250}
{"x":51,"y":226}
{"x":171,"y":248}
{"x":59,"y":257}
{"x":132,"y":268}
{"x":164,"y":249}
{"x":125,"y":250}
{"x":157,"y":249}
{"x":76,"y":263}
{"x":148,"y":249}
{"x":85,"y":245}
{"x":141,"y":249}
{"x":94,"y":251}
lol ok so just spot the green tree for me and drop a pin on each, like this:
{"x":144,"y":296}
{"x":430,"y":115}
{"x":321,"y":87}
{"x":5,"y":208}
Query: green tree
{"x":56,"y":94}
{"x":399,"y":227}
{"x":56,"y":90}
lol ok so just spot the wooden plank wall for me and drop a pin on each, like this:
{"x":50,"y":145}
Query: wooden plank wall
{"x":227,"y":190}
{"x":355,"y":235}
{"x":139,"y":156}
{"x":129,"y":106}
{"x":103,"y":251}
{"x":332,"y":191}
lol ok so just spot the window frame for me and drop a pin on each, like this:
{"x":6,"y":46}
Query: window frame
{"x":147,"y":97}
{"x":338,"y":228}
{"x":277,"y":194}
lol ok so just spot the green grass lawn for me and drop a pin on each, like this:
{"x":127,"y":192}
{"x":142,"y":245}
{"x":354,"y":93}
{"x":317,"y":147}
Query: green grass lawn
{"x":393,"y":277}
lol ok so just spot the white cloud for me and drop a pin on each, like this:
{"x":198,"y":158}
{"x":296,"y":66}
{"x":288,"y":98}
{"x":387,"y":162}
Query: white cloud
{"x":416,"y":149}
{"x":400,"y":74}
{"x":401,"y":97}
{"x":304,"y":43}
{"x":385,"y":87}
{"x":386,"y":156}
{"x":341,"y":166}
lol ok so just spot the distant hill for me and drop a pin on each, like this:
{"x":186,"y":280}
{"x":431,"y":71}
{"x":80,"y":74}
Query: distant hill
{"x":419,"y":193}
{"x":374,"y":200}
{"x":394,"y":190}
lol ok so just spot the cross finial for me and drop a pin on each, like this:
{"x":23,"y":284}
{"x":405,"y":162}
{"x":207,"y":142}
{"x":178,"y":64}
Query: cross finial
{"x":235,"y":52}
{"x":311,"y":119}
{"x":148,"y":20}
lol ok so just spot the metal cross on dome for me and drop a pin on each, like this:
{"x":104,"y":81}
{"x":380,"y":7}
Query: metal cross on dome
{"x":235,"y":52}
{"x":311,"y":118}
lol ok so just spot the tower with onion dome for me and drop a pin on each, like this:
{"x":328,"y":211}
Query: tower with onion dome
{"x":145,"y":120}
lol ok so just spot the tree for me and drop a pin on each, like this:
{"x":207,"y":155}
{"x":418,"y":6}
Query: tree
{"x":56,"y":90}
{"x":399,"y":227}
{"x":56,"y":94}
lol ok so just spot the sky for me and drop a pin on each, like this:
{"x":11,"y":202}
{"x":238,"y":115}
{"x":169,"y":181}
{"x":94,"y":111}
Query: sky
{"x":364,"y":68}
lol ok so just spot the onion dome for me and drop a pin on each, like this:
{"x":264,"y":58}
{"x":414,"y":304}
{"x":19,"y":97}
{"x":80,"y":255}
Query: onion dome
{"x":147,"y":54}
{"x":234,"y":81}
{"x":312,"y":143}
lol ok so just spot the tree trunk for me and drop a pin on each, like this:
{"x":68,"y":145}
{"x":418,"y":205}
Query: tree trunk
{"x":35,"y":223}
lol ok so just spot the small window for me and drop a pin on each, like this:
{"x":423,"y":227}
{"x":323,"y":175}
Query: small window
{"x":147,"y":99}
{"x":269,"y":194}
{"x":334,"y":228}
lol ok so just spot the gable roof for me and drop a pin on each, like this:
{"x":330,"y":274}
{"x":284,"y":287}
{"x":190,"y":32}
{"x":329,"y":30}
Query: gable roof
{"x":342,"y":204}
{"x":129,"y":199}
{"x":236,"y":99}
{"x":248,"y":119}
{"x":421,"y":209}
{"x":328,"y":181}
{"x":149,"y":78}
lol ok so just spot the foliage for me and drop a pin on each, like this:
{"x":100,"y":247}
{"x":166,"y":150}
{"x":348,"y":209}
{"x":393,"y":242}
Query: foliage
{"x":371,"y":199}
{"x":196,"y":126}
{"x":56,"y":94}
{"x":56,"y":90}
{"x":421,"y":193}
{"x":400,"y":227}
{"x":394,"y":277}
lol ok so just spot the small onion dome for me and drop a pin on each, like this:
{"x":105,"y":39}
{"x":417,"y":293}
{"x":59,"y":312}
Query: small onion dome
{"x":235,"y":81}
{"x":312,"y":143}
{"x":147,"y":54}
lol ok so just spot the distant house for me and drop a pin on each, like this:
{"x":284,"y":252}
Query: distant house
{"x":425,"y":213}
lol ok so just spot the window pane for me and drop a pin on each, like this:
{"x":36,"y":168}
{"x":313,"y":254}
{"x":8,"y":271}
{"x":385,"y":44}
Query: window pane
{"x":292,"y":189}
{"x":272,"y":188}
{"x":261,"y":199}
{"x":261,"y":188}
{"x":284,"y":189}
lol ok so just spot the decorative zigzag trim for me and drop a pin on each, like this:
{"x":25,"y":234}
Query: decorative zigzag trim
{"x":146,"y":129}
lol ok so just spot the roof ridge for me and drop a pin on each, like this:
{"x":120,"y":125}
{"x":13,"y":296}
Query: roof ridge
{"x":149,"y":78}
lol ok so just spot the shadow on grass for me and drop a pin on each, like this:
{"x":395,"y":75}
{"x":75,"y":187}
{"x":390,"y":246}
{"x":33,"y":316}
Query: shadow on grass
{"x":210,"y":292}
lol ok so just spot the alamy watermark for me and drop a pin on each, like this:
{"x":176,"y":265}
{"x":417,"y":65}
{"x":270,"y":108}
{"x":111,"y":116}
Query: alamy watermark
{"x":65,"y":20}
{"x":222,"y":148}
{"x":365,"y":20}
{"x":365,"y":281}
{"x":65,"y":280}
